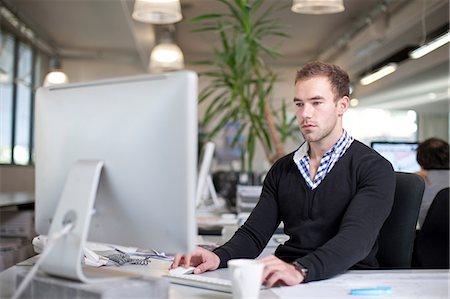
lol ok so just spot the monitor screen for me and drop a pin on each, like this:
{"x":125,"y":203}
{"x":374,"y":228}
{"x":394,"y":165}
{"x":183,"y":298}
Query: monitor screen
{"x":402,"y":155}
{"x":144,"y":130}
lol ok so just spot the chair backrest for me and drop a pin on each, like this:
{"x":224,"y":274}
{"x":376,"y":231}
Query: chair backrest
{"x":431,"y":248}
{"x":396,"y":239}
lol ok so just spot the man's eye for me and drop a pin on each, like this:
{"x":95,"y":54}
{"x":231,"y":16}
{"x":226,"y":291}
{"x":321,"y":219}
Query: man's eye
{"x":299,"y":104}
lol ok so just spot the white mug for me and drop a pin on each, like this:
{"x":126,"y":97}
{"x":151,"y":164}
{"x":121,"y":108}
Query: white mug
{"x":246,"y":275}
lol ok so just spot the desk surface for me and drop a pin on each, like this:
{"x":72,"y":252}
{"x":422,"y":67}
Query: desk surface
{"x":16,"y":198}
{"x":404,"y":283}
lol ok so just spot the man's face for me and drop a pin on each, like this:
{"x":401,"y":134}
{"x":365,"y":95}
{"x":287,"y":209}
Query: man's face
{"x":317,"y":112}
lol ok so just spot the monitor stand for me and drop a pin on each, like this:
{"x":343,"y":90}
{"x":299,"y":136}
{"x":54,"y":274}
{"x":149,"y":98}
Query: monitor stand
{"x":212,"y":191}
{"x":75,"y":207}
{"x":211,"y":202}
{"x":205,"y":185}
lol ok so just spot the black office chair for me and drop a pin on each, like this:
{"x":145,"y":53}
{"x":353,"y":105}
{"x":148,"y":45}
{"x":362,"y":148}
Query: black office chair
{"x":431,"y":248}
{"x":396,"y":239}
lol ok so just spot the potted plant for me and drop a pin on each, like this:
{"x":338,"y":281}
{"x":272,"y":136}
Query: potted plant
{"x":241,"y":82}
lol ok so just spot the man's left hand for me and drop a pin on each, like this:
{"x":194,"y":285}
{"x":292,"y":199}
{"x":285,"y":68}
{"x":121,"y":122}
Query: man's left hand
{"x":278,"y":272}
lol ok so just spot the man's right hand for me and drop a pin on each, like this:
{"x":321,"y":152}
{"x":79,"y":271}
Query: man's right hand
{"x":202,"y":259}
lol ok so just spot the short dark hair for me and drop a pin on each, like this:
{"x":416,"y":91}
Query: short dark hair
{"x":433,"y":154}
{"x":339,"y":80}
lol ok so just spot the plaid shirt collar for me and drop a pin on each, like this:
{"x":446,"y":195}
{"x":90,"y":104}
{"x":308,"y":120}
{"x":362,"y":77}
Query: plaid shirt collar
{"x":301,"y":159}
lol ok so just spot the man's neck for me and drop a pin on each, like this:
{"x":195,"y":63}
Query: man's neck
{"x":319,"y":148}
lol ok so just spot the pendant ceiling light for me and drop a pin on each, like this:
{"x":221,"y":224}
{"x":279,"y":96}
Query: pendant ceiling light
{"x":317,"y":7}
{"x":56,"y":75}
{"x":4,"y":77}
{"x":157,"y":11}
{"x":166,"y":55}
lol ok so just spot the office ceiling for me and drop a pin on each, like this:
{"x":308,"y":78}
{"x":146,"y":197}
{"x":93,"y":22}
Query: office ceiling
{"x":365,"y":34}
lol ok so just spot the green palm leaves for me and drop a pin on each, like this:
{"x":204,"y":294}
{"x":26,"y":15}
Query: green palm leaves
{"x":240,"y":81}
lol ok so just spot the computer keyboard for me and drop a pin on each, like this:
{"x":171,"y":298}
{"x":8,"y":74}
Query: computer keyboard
{"x":200,"y":281}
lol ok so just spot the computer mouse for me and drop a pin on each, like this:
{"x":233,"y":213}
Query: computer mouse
{"x":228,"y":216}
{"x":181,"y":270}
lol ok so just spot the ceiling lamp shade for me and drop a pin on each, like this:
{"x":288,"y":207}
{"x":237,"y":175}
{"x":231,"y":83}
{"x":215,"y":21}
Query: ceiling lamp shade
{"x":166,"y":56}
{"x":157,"y":11}
{"x":317,"y":7}
{"x":56,"y":75}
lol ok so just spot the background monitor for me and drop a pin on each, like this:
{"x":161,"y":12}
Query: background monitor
{"x":144,"y":131}
{"x":205,"y":184}
{"x":402,"y":155}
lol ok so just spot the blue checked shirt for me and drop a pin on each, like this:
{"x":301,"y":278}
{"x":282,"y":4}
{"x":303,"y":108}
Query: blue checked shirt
{"x":327,"y":162}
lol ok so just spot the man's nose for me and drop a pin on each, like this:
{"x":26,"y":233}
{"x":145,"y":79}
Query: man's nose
{"x":305,"y":112}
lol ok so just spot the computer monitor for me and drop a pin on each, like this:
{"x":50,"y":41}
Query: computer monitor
{"x":402,"y":155}
{"x":118,"y":159}
{"x":205,"y":185}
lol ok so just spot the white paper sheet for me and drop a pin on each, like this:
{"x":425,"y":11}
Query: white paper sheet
{"x":405,"y":284}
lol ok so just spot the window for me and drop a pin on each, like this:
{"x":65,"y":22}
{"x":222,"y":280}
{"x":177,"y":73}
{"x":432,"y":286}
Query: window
{"x":373,"y":124}
{"x":6,"y":96}
{"x":19,"y":77}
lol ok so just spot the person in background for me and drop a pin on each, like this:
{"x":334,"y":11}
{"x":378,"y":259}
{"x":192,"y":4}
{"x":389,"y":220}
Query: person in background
{"x":432,"y":156}
{"x":333,"y":195}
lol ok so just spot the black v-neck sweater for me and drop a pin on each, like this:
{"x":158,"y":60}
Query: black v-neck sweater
{"x":332,"y":228}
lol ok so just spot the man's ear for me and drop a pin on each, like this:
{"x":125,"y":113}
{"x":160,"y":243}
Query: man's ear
{"x":342,"y":105}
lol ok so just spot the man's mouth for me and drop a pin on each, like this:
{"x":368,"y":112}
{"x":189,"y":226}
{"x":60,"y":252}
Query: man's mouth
{"x":307,"y":126}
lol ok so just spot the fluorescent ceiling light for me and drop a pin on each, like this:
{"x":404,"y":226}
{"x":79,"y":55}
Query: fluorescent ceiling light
{"x":431,"y":46}
{"x":157,"y":11}
{"x":317,"y":7}
{"x":380,"y":73}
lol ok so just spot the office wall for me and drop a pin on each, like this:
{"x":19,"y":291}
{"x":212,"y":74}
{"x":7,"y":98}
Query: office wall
{"x":21,"y":178}
{"x":80,"y":70}
{"x":16,"y":178}
{"x":434,"y":125}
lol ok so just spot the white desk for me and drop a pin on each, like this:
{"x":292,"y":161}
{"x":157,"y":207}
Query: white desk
{"x":405,"y":284}
{"x":16,"y":198}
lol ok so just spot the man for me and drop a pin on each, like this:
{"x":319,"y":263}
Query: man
{"x":333,"y":195}
{"x":433,"y":158}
